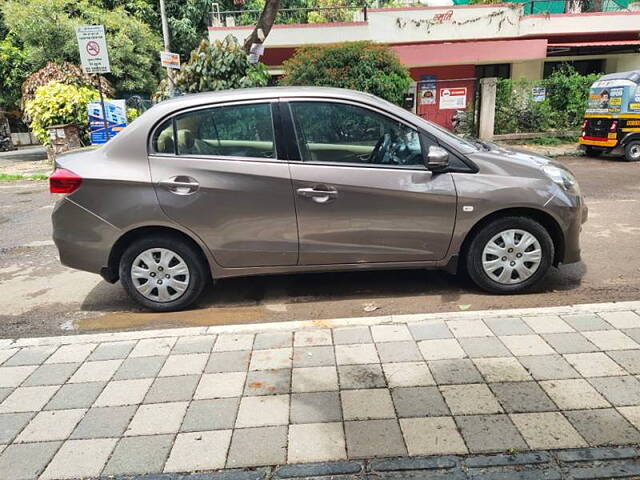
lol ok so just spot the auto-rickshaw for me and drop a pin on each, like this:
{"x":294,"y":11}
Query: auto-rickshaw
{"x":612,"y":119}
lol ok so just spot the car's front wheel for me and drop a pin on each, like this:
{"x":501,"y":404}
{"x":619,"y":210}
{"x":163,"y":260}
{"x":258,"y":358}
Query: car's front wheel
{"x":163,"y":273}
{"x":509,"y":255}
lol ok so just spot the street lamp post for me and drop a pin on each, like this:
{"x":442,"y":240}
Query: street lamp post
{"x":167,"y":43}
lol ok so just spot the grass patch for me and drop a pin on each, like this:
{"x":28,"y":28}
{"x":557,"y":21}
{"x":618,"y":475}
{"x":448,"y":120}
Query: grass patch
{"x":547,"y":141}
{"x":13,"y":177}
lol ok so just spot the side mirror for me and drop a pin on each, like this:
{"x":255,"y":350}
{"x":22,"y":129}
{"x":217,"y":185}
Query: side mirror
{"x":437,"y":159}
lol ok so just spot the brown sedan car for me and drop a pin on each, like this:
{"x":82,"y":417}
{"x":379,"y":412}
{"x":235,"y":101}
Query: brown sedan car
{"x":285,"y":180}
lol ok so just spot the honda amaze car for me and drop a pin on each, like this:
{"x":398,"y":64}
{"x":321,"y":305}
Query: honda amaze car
{"x":305,"y":179}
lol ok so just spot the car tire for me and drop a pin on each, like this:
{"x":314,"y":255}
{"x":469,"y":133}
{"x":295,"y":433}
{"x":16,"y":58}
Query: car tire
{"x":592,"y":152}
{"x":632,"y":151}
{"x":173,"y":255}
{"x":485,"y":257}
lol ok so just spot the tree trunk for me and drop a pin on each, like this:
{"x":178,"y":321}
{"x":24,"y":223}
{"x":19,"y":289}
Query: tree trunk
{"x":264,"y":24}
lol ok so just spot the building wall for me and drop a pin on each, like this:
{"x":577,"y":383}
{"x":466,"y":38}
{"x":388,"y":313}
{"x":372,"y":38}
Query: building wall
{"x":531,"y":70}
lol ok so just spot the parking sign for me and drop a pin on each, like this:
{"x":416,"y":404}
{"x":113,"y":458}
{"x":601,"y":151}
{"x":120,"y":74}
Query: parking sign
{"x":93,"y":49}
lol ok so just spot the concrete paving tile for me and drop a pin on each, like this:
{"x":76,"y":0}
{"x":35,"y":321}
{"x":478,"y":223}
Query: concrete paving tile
{"x":314,"y":379}
{"x":98,"y":371}
{"x":619,"y":391}
{"x":4,"y":393}
{"x":79,"y":459}
{"x":14,"y":376}
{"x":228,"y":342}
{"x":482,"y":347}
{"x":204,"y":415}
{"x":508,"y":326}
{"x":367,"y":404}
{"x":268,"y":382}
{"x":502,"y":369}
{"x":411,"y":374}
{"x":611,"y":340}
{"x":270,"y":359}
{"x":522,"y":397}
{"x":594,"y":364}
{"x":314,"y":356}
{"x":570,"y":343}
{"x":432,"y":436}
{"x":184,"y":364}
{"x":419,"y":402}
{"x":141,"y":367}
{"x":547,"y":430}
{"x":263,"y":411}
{"x":392,"y":352}
{"x":79,"y":395}
{"x":6,"y":354}
{"x":490,"y":433}
{"x":632,"y":414}
{"x":53,"y":374}
{"x":104,"y":422}
{"x":11,"y":424}
{"x":52,"y":425}
{"x":347,"y":335}
{"x":441,"y":349}
{"x":123,"y":392}
{"x":548,"y":367}
{"x":573,"y":394}
{"x":603,"y":427}
{"x":251,"y":447}
{"x":319,"y":407}
{"x":522,"y":345}
{"x":633,"y":333}
{"x":356,"y":354}
{"x":430,"y":330}
{"x":153,"y":347}
{"x":316,"y":442}
{"x":310,"y":338}
{"x":547,"y":324}
{"x":391,"y":333}
{"x":374,"y":438}
{"x":199,"y":451}
{"x":220,"y":385}
{"x":627,"y":359}
{"x":470,"y":399}
{"x":269,"y":340}
{"x":456,"y":371}
{"x":172,"y":389}
{"x":469,"y":328}
{"x":112,"y":350}
{"x":26,"y":461}
{"x":622,"y":319}
{"x":27,"y":399}
{"x":361,"y":376}
{"x":586,"y":322}
{"x":194,"y":344}
{"x":72,"y":353}
{"x":30,"y":356}
{"x":235,"y":361}
{"x":157,"y":418}
{"x":139,"y":455}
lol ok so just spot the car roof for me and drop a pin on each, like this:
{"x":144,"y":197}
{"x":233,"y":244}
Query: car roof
{"x":633,"y":75}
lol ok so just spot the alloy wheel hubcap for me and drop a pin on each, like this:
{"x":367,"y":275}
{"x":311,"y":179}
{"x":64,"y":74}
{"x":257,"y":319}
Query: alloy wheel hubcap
{"x":635,"y":151}
{"x":511,"y":256}
{"x":160,"y":275}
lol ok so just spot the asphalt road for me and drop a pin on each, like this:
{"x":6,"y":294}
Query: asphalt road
{"x":40,"y":297}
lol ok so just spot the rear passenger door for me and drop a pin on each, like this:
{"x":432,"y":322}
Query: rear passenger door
{"x":217,"y":172}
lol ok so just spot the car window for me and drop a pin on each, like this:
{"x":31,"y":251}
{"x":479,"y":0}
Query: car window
{"x":162,"y":141}
{"x":234,"y":131}
{"x":343,"y":133}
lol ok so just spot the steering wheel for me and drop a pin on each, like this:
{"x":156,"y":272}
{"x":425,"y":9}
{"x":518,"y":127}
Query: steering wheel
{"x":381,"y":145}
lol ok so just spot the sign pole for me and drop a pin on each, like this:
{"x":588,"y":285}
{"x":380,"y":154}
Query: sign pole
{"x":104,"y":111}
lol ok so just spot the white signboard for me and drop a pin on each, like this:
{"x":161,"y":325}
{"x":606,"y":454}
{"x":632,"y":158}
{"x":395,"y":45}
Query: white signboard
{"x":453,"y":98}
{"x":93,"y":49}
{"x":170,"y":60}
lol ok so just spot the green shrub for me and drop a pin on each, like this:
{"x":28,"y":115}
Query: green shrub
{"x":360,"y":66}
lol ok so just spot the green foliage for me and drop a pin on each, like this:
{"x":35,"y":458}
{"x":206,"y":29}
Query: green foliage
{"x":13,"y":71}
{"x":221,"y":66}
{"x":188,"y":21}
{"x":546,"y":141}
{"x":360,"y":66}
{"x":56,"y":104}
{"x":14,"y":177}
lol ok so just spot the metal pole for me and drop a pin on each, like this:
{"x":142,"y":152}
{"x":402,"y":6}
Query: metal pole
{"x":167,"y":42}
{"x":104,"y":112}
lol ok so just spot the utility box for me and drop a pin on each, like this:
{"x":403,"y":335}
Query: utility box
{"x":64,"y":138}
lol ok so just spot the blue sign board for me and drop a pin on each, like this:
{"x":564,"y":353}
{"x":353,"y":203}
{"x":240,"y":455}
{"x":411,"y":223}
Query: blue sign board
{"x":116,"y":112}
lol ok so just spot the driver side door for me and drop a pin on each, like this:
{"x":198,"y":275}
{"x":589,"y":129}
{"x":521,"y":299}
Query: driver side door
{"x":362,"y":192}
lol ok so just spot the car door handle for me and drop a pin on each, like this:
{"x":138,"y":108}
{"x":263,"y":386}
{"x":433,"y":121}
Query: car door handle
{"x":318,"y":195}
{"x":181,"y":185}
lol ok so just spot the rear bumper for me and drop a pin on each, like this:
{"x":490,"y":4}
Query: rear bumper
{"x":598,"y":142}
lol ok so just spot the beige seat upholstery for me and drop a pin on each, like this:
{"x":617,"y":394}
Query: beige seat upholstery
{"x":186,"y":141}
{"x":165,"y":143}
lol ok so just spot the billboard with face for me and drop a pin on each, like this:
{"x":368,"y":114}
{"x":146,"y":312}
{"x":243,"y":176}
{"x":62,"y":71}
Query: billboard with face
{"x":614,"y":97}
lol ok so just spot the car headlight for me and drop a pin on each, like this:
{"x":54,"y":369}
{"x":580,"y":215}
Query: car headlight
{"x":563,"y":178}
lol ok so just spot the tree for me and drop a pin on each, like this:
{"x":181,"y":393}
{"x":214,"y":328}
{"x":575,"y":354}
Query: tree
{"x":361,"y":66}
{"x":264,"y":24}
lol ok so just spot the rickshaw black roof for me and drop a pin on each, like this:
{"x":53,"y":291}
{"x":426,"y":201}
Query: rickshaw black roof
{"x":633,"y":75}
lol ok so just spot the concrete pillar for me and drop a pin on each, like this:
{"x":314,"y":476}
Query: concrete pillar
{"x":487,"y":108}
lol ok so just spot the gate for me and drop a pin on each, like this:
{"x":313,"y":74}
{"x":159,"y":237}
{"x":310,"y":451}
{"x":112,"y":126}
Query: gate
{"x":439,"y":101}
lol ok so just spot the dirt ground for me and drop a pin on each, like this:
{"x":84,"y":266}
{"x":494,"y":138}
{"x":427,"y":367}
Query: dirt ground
{"x":40,"y":297}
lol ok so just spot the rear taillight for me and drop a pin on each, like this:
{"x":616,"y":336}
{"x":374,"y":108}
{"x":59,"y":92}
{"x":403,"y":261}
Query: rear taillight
{"x":64,"y":181}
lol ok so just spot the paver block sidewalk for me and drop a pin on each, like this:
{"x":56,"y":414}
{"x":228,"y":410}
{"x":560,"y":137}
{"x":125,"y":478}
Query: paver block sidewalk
{"x":215,"y":398}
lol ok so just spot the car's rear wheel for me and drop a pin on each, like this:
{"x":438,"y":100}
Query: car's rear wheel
{"x":632,"y":151}
{"x":509,"y":255}
{"x":163,"y":273}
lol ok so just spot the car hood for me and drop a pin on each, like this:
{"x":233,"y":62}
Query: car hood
{"x":510,"y":161}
